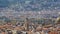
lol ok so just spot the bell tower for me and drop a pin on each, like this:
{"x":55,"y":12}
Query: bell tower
{"x":26,"y":24}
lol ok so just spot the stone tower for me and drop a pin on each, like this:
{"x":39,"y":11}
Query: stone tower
{"x":26,"y":24}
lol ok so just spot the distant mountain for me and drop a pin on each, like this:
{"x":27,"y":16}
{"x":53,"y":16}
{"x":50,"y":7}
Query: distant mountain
{"x":3,"y":3}
{"x":30,"y":5}
{"x":30,"y":8}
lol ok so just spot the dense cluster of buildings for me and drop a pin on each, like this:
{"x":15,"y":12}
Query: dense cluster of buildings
{"x":29,"y":28}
